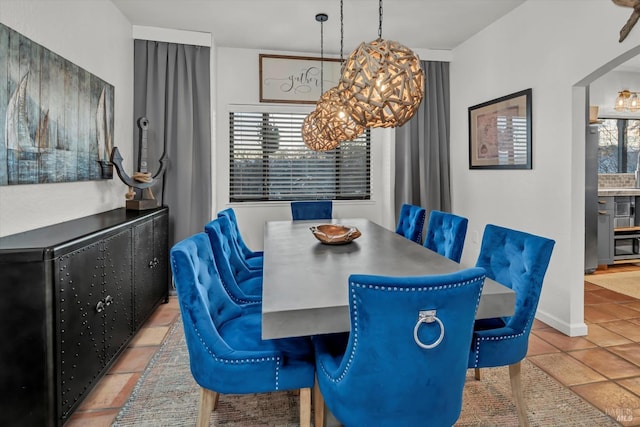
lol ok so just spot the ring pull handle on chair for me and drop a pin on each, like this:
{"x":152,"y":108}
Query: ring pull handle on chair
{"x":428,"y":316}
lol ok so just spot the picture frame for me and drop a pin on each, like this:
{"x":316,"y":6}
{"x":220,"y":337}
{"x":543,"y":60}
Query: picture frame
{"x":296,"y":79}
{"x":58,"y":118}
{"x":500,"y":133}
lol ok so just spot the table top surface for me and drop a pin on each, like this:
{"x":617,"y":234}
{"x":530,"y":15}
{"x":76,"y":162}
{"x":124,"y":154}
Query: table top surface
{"x":305,"y":282}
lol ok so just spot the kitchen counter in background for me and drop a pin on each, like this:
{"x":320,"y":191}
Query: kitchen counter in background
{"x":602,"y":192}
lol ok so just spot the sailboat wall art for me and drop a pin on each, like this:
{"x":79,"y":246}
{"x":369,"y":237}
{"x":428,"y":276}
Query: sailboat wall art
{"x":56,"y":119}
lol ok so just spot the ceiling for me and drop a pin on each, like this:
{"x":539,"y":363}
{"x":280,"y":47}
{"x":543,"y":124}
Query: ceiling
{"x":290,"y":25}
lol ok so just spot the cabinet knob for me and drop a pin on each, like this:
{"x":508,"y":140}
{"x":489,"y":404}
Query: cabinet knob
{"x":100,"y":306}
{"x":151,"y":264}
{"x":108,"y":300}
{"x":602,"y":212}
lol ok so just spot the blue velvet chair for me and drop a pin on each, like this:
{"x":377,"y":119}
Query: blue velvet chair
{"x":226,"y":352}
{"x":384,"y":373}
{"x":241,"y":270}
{"x":244,"y":269}
{"x":316,"y":209}
{"x":518,"y":260}
{"x":411,"y":222}
{"x":241,"y":288}
{"x":254,"y":259}
{"x":445,"y":234}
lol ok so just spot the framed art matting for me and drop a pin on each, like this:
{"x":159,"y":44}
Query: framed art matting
{"x":296,"y":79}
{"x":500,"y":133}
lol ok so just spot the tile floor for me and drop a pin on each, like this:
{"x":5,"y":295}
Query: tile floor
{"x":102,"y":405}
{"x":602,"y":367}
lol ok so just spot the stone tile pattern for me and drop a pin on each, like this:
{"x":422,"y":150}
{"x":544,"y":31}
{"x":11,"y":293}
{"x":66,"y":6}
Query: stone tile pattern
{"x":602,"y":367}
{"x":103,"y":404}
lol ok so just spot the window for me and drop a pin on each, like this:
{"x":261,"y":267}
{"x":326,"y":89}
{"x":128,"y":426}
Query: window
{"x":269,"y":161}
{"x":619,"y":143}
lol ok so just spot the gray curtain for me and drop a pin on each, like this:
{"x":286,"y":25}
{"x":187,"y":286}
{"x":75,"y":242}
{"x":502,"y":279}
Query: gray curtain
{"x":422,"y":146}
{"x":172,"y":90}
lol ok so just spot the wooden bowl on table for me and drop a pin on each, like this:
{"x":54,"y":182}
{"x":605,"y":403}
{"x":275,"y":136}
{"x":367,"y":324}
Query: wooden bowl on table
{"x":335,"y":234}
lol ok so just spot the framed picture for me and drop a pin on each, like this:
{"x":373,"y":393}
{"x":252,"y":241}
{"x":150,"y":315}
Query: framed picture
{"x":57,"y":118}
{"x":296,"y":79}
{"x":500,"y":133}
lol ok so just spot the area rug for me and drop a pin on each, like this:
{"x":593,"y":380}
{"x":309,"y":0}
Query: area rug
{"x":627,"y":283}
{"x":167,"y":395}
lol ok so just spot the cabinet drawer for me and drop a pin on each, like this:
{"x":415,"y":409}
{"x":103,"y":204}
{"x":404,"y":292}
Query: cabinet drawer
{"x":606,"y":203}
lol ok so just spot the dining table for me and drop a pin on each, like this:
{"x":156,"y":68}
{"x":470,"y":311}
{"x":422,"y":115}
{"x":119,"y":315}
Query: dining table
{"x":305,"y":282}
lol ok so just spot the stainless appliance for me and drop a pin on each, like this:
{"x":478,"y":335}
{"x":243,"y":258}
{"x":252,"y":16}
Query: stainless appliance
{"x":624,"y":212}
{"x":626,"y":246}
{"x":591,"y":200}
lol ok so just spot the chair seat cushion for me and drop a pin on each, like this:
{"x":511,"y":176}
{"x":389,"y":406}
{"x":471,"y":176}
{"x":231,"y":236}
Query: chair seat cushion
{"x":255,"y":263}
{"x":244,"y":333}
{"x":251,"y":286}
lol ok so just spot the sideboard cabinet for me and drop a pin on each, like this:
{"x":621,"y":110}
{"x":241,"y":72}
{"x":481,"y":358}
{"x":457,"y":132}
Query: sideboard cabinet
{"x":73,"y":296}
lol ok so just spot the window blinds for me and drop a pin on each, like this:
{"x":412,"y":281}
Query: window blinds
{"x":268,"y":160}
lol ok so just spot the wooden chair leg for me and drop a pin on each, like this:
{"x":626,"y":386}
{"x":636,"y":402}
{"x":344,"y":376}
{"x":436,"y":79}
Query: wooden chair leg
{"x":318,"y":406}
{"x":518,"y":395}
{"x":477,"y":374}
{"x":305,"y":407}
{"x":215,"y":400}
{"x":208,"y":401}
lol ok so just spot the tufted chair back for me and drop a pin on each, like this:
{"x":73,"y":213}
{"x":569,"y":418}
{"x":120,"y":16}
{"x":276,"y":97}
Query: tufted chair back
{"x":445,"y":234}
{"x":252,"y":258}
{"x":518,"y":260}
{"x":381,"y":375}
{"x":231,"y":271}
{"x":194,"y":271}
{"x":226,"y":351}
{"x":411,"y":222}
{"x":316,"y":209}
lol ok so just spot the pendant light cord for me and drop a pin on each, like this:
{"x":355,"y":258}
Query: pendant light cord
{"x":321,"y":57}
{"x":341,"y":32}
{"x":321,"y":18}
{"x":380,"y":19}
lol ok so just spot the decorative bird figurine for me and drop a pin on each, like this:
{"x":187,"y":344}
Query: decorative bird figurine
{"x":635,"y":4}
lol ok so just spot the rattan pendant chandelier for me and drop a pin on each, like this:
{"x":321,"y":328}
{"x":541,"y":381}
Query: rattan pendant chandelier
{"x":332,"y":108}
{"x":316,"y":132}
{"x":337,"y":115}
{"x":382,"y":82}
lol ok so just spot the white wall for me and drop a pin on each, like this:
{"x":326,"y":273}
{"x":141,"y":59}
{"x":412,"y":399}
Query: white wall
{"x":237,"y":86}
{"x":95,"y":36}
{"x":553,"y":47}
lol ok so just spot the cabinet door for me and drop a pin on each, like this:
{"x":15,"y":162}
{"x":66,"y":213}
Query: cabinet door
{"x":118,"y":293}
{"x":79,"y":277}
{"x":605,"y":237}
{"x":151,"y":263}
{"x":143,"y":271}
{"x":161,"y":257}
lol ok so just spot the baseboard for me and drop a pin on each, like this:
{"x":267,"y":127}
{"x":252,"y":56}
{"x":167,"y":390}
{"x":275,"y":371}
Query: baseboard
{"x":569,"y":329}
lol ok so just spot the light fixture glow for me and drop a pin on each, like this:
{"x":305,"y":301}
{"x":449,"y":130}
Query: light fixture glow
{"x":337,"y":117}
{"x":316,"y":133}
{"x":627,"y":101}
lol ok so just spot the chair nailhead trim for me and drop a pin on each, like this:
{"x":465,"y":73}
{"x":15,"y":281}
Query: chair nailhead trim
{"x":237,"y":361}
{"x":501,"y":338}
{"x":244,"y":361}
{"x":356,"y":323}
